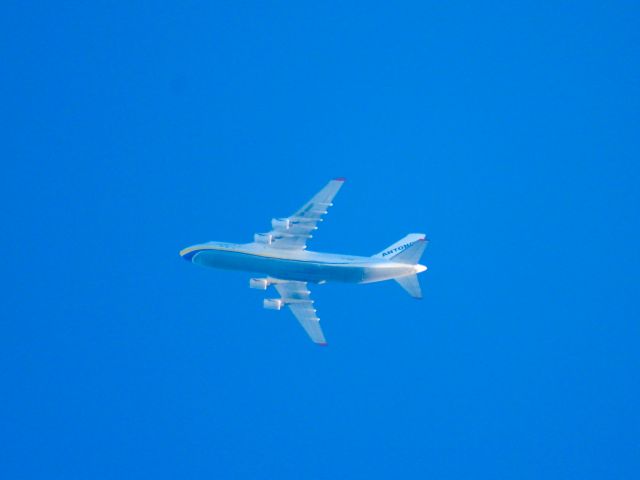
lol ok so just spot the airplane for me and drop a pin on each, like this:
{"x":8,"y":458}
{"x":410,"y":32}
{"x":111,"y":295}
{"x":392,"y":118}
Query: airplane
{"x":281,"y":255}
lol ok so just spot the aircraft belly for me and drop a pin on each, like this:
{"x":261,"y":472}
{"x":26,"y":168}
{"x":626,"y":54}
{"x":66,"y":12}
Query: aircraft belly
{"x":287,"y":269}
{"x":312,"y":272}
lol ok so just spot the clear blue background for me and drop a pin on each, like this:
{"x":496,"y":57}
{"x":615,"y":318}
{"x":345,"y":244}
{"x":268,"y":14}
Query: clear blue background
{"x":507,"y":132}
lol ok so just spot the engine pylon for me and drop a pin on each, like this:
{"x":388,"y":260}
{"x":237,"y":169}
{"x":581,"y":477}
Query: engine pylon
{"x":259,"y":283}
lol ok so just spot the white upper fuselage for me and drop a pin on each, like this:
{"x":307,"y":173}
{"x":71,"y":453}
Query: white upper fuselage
{"x":298,"y":265}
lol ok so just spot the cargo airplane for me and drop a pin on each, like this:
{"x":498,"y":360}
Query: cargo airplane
{"x":281,"y":256}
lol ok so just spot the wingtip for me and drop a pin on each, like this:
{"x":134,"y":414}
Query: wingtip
{"x":322,"y":344}
{"x":340,"y":179}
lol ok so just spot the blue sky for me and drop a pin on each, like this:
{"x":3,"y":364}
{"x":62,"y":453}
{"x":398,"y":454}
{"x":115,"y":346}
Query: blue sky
{"x":506,"y":131}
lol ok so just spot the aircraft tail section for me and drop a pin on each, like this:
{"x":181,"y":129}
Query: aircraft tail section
{"x":407,"y":250}
{"x":411,"y":284}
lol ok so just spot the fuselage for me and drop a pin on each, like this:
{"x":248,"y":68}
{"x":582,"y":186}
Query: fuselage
{"x":298,"y":265}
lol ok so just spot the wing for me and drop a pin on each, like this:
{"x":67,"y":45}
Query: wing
{"x":297,"y":297}
{"x":293,"y":232}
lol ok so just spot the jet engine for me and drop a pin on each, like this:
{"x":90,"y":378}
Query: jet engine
{"x":258,"y":283}
{"x":272,"y":303}
{"x":281,"y":223}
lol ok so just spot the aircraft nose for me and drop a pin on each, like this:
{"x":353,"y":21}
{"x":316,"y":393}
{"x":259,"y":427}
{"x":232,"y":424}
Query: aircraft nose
{"x":187,"y":253}
{"x":420,"y":268}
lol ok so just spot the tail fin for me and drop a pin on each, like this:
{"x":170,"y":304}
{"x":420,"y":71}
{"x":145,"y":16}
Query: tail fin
{"x":411,"y":284}
{"x":407,"y":250}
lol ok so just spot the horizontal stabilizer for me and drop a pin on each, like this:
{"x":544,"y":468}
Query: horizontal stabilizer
{"x":411,"y":284}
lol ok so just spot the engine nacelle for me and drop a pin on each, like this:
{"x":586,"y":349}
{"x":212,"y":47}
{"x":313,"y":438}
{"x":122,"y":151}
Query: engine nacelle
{"x":272,"y":303}
{"x":281,"y":223}
{"x":258,"y":283}
{"x":263,"y":238}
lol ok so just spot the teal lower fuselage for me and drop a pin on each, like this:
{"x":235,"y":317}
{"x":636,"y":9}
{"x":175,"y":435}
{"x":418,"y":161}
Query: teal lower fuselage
{"x":298,"y":265}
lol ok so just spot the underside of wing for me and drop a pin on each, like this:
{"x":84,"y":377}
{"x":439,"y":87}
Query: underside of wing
{"x":297,"y":297}
{"x":293,"y":232}
{"x":306,"y":315}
